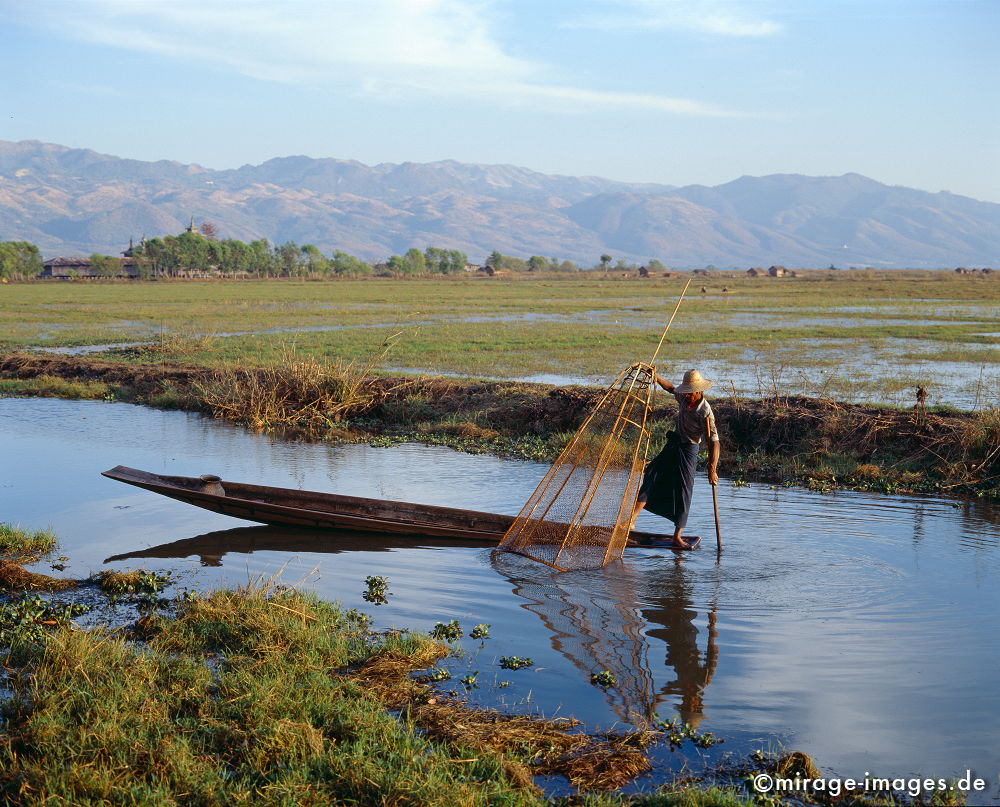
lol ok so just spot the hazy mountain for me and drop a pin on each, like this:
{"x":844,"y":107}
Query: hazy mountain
{"x":76,"y":201}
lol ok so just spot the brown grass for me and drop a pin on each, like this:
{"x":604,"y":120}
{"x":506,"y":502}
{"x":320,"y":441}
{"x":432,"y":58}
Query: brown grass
{"x":554,"y":748}
{"x":300,"y":392}
{"x":14,"y":577}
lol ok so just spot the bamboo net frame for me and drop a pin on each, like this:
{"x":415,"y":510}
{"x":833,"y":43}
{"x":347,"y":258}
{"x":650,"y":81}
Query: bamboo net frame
{"x":579,"y":515}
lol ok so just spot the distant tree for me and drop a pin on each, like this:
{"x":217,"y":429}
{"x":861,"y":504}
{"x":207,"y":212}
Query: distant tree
{"x":345,"y":265}
{"x":656,"y":266}
{"x":105,"y":265}
{"x":436,"y":260}
{"x":143,"y":267}
{"x":408,"y":265}
{"x":568,"y":266}
{"x":605,"y":262}
{"x":19,"y":260}
{"x":444,"y":261}
{"x":457,"y":261}
{"x":209,"y":230}
{"x":536,"y":263}
{"x":260,"y":260}
{"x":315,"y":263}
{"x":289,"y":259}
{"x":711,"y":268}
{"x":415,"y":261}
{"x":495,"y":259}
{"x":194,"y":251}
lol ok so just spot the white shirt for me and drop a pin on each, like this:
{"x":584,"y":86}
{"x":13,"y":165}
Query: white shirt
{"x":691,"y":421}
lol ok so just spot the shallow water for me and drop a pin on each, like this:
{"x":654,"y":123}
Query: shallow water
{"x":862,"y":629}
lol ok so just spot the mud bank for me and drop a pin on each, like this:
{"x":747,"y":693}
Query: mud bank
{"x":819,"y":443}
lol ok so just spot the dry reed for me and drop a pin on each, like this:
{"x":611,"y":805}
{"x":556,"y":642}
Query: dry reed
{"x":14,"y":577}
{"x":301,"y":392}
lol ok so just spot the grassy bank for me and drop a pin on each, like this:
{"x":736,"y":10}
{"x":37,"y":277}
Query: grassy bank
{"x":269,"y":696}
{"x":814,"y":442}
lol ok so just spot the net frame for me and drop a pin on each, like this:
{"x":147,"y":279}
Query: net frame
{"x":607,"y":464}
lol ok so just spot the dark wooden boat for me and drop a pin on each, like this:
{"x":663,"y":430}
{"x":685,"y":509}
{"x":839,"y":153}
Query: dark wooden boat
{"x":329,"y":511}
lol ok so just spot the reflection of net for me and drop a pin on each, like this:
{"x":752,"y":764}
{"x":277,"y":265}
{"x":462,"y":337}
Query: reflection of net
{"x":593,"y":623}
{"x":578,"y":516}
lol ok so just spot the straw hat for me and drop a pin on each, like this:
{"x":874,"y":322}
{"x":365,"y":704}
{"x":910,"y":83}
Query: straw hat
{"x":693,"y":382}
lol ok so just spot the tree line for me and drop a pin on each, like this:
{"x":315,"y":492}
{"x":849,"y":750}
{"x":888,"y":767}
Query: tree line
{"x":203,"y":253}
{"x":19,"y":260}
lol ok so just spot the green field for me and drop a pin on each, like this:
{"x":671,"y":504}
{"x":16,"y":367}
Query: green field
{"x":849,"y":335}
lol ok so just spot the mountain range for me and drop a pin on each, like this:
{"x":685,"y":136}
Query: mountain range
{"x":76,"y":201}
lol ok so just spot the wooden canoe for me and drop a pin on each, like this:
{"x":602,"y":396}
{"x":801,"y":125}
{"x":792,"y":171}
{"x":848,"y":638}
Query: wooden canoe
{"x":330,"y":511}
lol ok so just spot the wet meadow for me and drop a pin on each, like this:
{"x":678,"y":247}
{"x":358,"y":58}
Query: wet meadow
{"x":850,"y":335}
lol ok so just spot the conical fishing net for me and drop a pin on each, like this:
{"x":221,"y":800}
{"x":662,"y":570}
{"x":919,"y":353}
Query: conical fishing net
{"x":578,"y":517}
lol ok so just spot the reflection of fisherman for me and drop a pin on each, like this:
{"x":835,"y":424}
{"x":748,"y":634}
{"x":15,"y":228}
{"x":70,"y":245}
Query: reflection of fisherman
{"x":669,"y":478}
{"x":672,"y":618}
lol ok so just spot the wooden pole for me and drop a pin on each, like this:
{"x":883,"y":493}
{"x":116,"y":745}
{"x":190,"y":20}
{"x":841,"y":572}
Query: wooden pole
{"x":718,"y":531}
{"x":715,"y":484}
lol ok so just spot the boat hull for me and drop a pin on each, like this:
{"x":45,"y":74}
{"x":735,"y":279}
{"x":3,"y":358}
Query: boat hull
{"x":328,"y":511}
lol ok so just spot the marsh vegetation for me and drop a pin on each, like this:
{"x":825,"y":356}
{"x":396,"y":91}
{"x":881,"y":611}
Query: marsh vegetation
{"x":859,"y":336}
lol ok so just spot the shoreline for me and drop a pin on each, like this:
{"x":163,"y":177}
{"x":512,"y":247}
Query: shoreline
{"x":817,"y":443}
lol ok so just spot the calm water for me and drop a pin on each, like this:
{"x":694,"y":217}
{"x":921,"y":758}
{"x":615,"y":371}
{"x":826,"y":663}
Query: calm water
{"x":861,"y":629}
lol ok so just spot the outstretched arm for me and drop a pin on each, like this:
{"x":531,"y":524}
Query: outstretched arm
{"x":713,"y":455}
{"x":665,"y":384}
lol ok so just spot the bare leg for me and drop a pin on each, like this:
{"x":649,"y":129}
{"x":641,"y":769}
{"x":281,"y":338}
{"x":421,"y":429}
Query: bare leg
{"x":635,"y":514}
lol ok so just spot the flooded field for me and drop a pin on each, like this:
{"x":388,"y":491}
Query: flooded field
{"x":864,"y":630}
{"x":846,"y":336}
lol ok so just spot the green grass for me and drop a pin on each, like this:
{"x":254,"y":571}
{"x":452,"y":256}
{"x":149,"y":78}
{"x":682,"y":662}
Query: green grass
{"x":583,"y":326}
{"x":49,"y":386}
{"x":261,"y":696}
{"x":18,"y":541}
{"x":97,"y":720}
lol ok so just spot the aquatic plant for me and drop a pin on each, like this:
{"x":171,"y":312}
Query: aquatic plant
{"x":605,"y":679}
{"x":677,"y":733}
{"x":133,"y":583}
{"x":28,"y":619}
{"x":470,"y":681}
{"x":377,"y":591}
{"x":481,"y":631}
{"x":449,"y":631}
{"x":514,"y":662}
{"x":358,"y":617}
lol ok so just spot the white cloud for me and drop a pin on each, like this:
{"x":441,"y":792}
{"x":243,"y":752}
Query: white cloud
{"x":375,"y":47}
{"x":717,"y":17}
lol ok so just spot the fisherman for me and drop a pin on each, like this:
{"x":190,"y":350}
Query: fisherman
{"x":669,"y":478}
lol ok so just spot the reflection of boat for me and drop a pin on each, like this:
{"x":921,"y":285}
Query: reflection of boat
{"x":303,"y":508}
{"x":212,"y":546}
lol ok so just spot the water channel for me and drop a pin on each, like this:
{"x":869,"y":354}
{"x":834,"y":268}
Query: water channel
{"x":862,"y":629}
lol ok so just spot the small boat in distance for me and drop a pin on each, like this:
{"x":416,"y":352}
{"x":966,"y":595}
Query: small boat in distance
{"x":329,"y":511}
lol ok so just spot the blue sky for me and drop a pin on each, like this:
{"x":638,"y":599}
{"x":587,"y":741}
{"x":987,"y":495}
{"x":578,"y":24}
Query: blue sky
{"x":671,"y":91}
